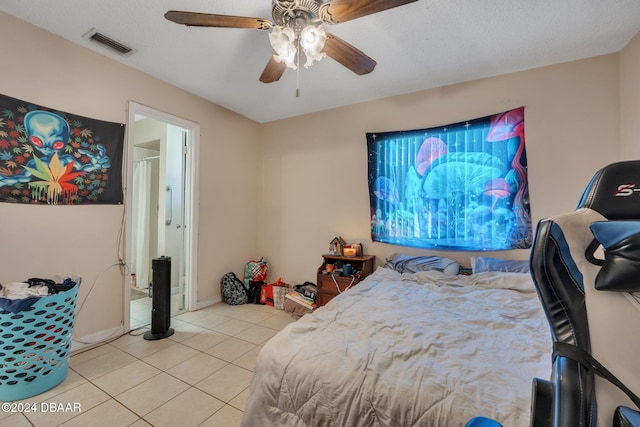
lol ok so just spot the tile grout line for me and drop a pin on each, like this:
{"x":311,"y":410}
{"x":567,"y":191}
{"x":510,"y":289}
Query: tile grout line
{"x":258,"y":315}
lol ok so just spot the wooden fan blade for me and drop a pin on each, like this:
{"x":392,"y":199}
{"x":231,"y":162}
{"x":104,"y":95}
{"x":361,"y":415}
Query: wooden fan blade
{"x":347,"y":55}
{"x":346,"y":10}
{"x":273,"y":71}
{"x":195,"y":19}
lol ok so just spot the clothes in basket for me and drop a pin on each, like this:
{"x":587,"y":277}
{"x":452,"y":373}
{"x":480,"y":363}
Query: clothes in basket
{"x":35,"y":343}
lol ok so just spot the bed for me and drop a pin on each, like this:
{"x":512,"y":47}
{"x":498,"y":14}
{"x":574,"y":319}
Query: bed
{"x":404,"y":348}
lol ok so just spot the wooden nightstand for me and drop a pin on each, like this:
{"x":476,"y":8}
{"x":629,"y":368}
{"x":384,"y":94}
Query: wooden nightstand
{"x":330,"y":285}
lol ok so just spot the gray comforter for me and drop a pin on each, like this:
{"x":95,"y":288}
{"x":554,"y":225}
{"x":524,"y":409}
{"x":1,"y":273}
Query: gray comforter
{"x":407,"y":350}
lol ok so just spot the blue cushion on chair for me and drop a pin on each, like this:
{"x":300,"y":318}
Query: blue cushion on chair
{"x":610,"y":233}
{"x":482,"y":422}
{"x":621,"y":242}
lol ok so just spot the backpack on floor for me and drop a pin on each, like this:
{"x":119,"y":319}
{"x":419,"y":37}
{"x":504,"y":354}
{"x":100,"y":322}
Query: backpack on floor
{"x":233,"y":290}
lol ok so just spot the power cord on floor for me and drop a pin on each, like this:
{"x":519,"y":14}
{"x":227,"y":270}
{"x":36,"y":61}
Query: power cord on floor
{"x":81,"y":305}
{"x":143,"y":329}
{"x":122,"y":264}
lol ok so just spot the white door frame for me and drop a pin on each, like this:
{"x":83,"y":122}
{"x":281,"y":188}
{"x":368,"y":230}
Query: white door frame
{"x":191,"y":217}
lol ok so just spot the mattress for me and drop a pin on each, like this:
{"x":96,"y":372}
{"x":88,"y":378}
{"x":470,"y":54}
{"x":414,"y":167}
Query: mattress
{"x":407,"y":349}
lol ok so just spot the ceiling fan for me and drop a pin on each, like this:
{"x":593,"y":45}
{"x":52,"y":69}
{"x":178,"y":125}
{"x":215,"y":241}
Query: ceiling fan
{"x":297,"y":25}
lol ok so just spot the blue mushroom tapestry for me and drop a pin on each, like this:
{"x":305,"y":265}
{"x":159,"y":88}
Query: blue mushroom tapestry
{"x":53,"y":157}
{"x":462,"y":186}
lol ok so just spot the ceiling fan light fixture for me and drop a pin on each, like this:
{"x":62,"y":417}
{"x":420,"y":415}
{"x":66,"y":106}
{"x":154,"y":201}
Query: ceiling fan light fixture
{"x":283,"y":41}
{"x":297,"y":26}
{"x":286,"y":42}
{"x":312,"y":39}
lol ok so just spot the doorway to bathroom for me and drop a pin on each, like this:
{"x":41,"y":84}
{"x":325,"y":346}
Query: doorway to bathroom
{"x":161,"y":219}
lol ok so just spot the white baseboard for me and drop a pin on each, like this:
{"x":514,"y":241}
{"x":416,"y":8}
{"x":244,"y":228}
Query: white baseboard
{"x":91,"y":340}
{"x":81,"y":343}
{"x":208,"y":302}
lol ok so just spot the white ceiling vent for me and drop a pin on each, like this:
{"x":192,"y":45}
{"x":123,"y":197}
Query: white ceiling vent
{"x":95,"y":36}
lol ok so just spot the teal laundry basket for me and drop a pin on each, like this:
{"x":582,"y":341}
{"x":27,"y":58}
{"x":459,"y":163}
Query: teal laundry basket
{"x":35,"y":345}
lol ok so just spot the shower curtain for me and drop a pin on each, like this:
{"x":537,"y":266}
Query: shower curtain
{"x":141,"y":264}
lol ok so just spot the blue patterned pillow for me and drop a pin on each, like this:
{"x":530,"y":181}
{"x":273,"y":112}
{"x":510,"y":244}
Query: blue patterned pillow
{"x":621,"y":268}
{"x":481,"y":264}
{"x":415,"y":263}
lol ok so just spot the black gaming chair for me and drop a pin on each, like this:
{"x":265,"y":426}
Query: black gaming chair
{"x":586,"y":268}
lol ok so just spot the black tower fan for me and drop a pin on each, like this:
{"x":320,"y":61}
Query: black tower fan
{"x":161,"y":300}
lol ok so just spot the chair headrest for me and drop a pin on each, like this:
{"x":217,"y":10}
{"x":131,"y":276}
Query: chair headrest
{"x":614,"y":191}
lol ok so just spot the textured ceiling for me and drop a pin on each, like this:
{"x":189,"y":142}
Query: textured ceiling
{"x":426,"y":44}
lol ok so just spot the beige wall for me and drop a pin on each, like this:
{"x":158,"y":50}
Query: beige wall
{"x":309,"y":172}
{"x":314,"y":167}
{"x":45,"y":240}
{"x":630,"y":99}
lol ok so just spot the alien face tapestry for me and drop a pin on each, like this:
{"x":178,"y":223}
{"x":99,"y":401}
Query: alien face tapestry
{"x":52,"y":157}
{"x":461,"y":186}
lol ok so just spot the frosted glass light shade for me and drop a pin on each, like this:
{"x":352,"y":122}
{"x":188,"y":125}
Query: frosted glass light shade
{"x":286,"y":41}
{"x":283,"y":41}
{"x":312,"y":41}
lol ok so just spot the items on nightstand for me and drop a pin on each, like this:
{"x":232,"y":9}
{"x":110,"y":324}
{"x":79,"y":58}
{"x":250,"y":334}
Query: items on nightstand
{"x":346,"y":269}
{"x":349,"y":252}
{"x":336,"y":245}
{"x":344,"y":273}
{"x":352,"y":249}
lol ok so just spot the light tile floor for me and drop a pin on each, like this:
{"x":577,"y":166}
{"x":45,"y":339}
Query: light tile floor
{"x":140,"y":313}
{"x":197,"y":377}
